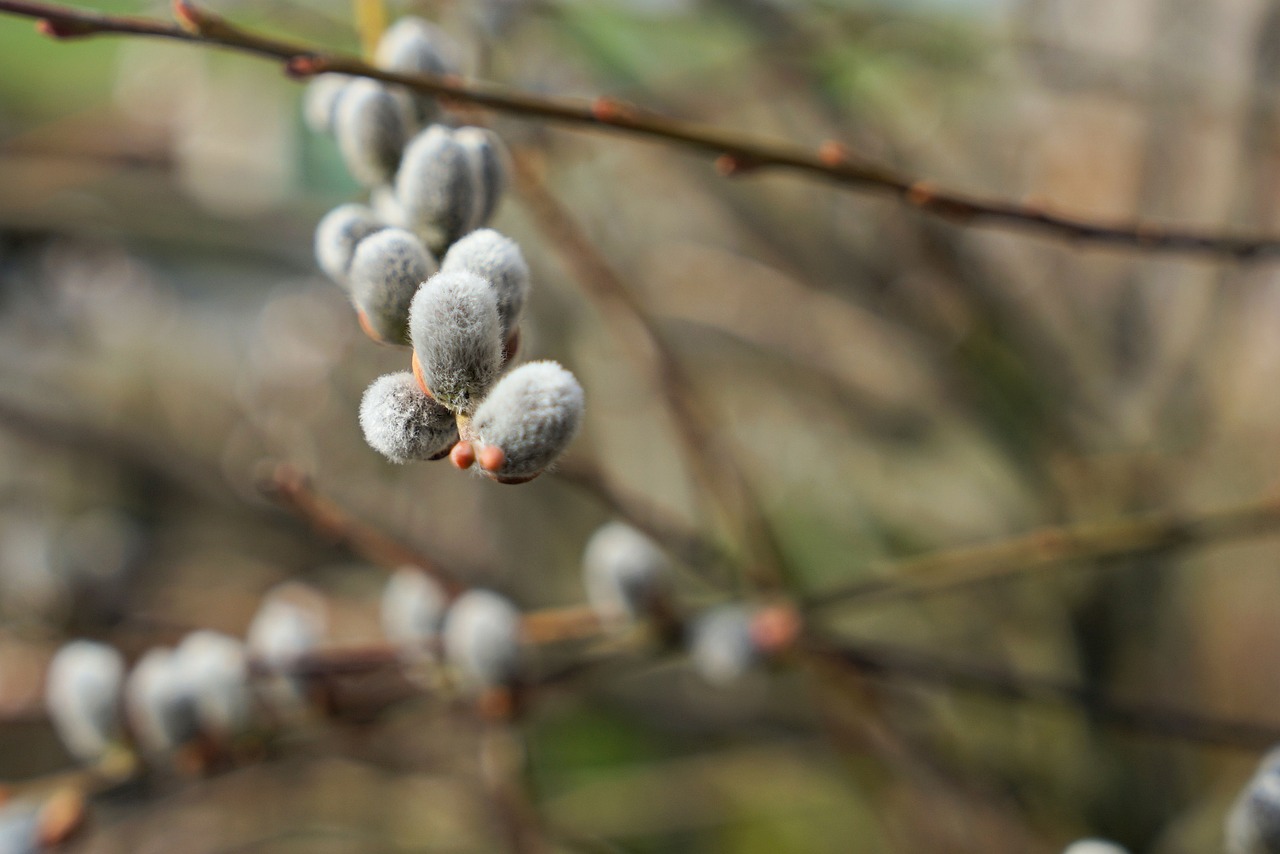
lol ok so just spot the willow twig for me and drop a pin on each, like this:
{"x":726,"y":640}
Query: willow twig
{"x":892,"y":662}
{"x":735,"y":153}
{"x":951,"y":570}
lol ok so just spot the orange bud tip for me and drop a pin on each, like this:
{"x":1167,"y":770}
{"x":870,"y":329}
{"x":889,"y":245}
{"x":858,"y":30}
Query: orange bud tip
{"x":608,"y":109}
{"x":417,"y":375}
{"x":496,"y":704}
{"x":189,"y":17}
{"x":365,"y":325}
{"x":463,"y":456}
{"x":61,"y":816}
{"x":921,"y":193}
{"x":62,"y":29}
{"x":491,"y":458}
{"x":833,"y":153}
{"x":303,"y":66}
{"x":775,"y":628}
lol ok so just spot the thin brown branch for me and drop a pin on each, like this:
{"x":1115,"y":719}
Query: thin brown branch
{"x":708,"y":449}
{"x":735,"y":153}
{"x":957,"y":569}
{"x":292,"y":490}
{"x":892,"y":662}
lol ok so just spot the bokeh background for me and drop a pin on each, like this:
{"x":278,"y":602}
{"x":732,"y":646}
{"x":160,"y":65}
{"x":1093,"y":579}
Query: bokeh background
{"x":891,"y":384}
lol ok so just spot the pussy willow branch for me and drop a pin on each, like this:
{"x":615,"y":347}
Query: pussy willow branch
{"x":956,"y":569}
{"x":709,"y":451}
{"x":735,"y":153}
{"x":898,"y":663}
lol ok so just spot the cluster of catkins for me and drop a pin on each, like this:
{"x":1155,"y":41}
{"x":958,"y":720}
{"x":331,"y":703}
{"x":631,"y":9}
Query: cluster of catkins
{"x":422,"y":271}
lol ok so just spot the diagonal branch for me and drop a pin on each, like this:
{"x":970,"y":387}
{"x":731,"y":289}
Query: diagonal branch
{"x":735,"y":153}
{"x":956,"y":569}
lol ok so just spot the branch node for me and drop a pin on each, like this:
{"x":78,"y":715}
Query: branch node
{"x":833,"y":154}
{"x":61,"y":28}
{"x":610,"y":110}
{"x":304,"y":66}
{"x":729,"y":165}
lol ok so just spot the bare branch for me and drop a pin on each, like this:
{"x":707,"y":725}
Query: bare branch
{"x":734,"y":153}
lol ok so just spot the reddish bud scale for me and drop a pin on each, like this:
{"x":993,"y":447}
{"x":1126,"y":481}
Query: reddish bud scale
{"x":492,"y":458}
{"x":368,"y":329}
{"x":63,"y":29}
{"x":775,"y":629}
{"x":833,"y":153}
{"x":463,"y":455}
{"x":417,"y":375}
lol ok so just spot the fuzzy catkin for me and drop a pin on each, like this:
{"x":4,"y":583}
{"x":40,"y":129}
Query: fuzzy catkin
{"x":457,"y":337}
{"x":488,"y":160}
{"x":436,"y":188}
{"x":82,"y":696}
{"x":1094,"y":846}
{"x":720,"y":644}
{"x":482,"y":638}
{"x":623,"y":571}
{"x":385,"y":273}
{"x":218,"y":673}
{"x":413,"y":607}
{"x":338,"y":234}
{"x":499,"y":261}
{"x":371,"y":125}
{"x":291,"y":621}
{"x":320,"y":101}
{"x":413,"y":45}
{"x":1253,"y":824}
{"x":159,"y":702}
{"x":402,"y":423}
{"x":532,"y":414}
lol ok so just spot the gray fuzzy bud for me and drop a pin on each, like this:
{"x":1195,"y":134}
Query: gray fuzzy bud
{"x":217,"y":671}
{"x":320,"y":101}
{"x":482,"y":638}
{"x":402,"y":423}
{"x":291,"y":622}
{"x":385,"y":273}
{"x":488,"y":159}
{"x":160,"y":703}
{"x":532,"y":414}
{"x":82,"y":696}
{"x":371,"y":125}
{"x":721,"y":646}
{"x":413,"y":608}
{"x":337,"y":236}
{"x":436,"y":187}
{"x":1253,"y":825}
{"x":499,"y":261}
{"x":623,"y":570}
{"x":457,"y":337}
{"x":1094,"y":846}
{"x":415,"y":46}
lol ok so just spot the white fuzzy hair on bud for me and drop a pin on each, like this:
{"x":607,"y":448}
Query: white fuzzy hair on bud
{"x":499,"y":261}
{"x":488,"y":159}
{"x":482,"y":638}
{"x":159,"y":702}
{"x":532,"y":414}
{"x":721,"y":646}
{"x":291,"y":622}
{"x":371,"y":125}
{"x":82,"y":696}
{"x":338,"y":234}
{"x":320,"y":101}
{"x":436,"y":187}
{"x":385,"y":205}
{"x":1253,"y":824}
{"x":457,"y":337}
{"x":386,"y":271}
{"x":624,"y":571}
{"x":413,"y":608}
{"x":1094,"y":846}
{"x":413,"y":45}
{"x":217,"y":670}
{"x":402,"y":423}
